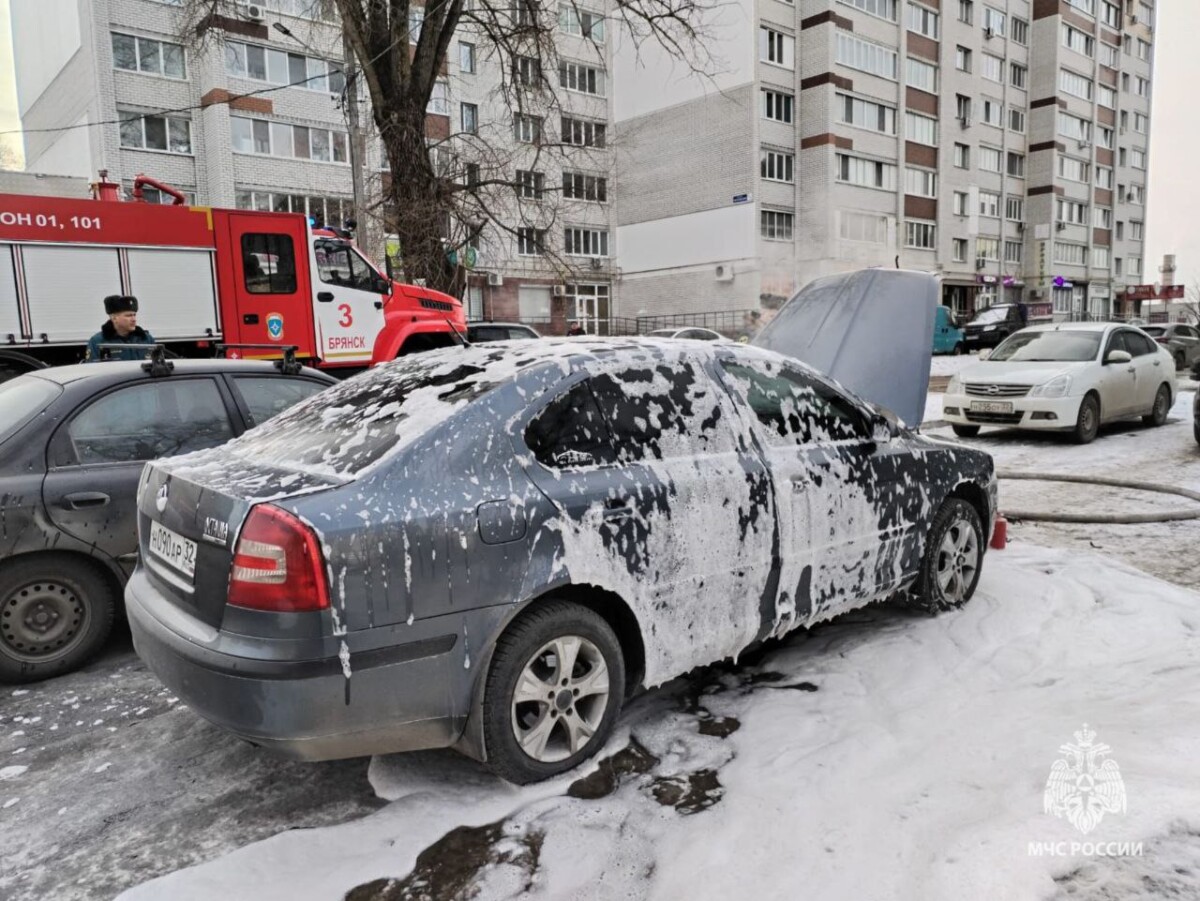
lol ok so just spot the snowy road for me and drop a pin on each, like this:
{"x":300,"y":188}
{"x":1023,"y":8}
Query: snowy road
{"x":879,"y":756}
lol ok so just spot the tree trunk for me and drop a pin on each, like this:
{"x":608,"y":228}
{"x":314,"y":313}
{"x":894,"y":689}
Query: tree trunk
{"x":420,"y":205}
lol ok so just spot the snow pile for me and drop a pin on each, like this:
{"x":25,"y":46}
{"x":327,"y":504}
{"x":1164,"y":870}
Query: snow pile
{"x":879,"y":756}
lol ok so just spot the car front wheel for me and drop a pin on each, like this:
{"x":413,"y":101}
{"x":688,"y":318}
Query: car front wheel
{"x":1087,"y":424}
{"x":1162,"y":406}
{"x":553,"y":692}
{"x":953,"y":558}
{"x":55,"y":613}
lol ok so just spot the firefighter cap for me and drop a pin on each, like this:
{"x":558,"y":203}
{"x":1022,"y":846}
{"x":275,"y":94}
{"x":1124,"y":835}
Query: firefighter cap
{"x":120,"y":303}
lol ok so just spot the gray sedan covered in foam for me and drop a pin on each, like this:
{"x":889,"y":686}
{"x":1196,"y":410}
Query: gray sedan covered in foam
{"x":490,"y":547}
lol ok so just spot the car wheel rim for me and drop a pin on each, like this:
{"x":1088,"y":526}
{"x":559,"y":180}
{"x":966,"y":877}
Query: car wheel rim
{"x":1160,"y":405}
{"x":41,"y":619}
{"x":560,"y":699}
{"x":1089,"y":418}
{"x":958,"y":561}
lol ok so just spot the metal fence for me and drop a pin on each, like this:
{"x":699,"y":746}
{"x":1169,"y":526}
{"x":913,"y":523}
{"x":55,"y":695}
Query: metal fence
{"x":731,"y":323}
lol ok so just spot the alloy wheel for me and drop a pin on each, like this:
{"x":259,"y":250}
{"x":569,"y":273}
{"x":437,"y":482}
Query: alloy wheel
{"x":958,"y":561}
{"x":560,"y":698}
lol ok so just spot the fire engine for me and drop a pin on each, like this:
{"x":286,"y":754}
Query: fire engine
{"x":202,"y":276}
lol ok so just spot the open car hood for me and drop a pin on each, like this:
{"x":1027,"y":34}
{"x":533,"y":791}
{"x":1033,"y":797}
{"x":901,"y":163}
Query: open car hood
{"x":871,"y":330}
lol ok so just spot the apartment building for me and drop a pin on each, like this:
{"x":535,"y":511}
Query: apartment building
{"x":260,"y":124}
{"x":1001,"y":144}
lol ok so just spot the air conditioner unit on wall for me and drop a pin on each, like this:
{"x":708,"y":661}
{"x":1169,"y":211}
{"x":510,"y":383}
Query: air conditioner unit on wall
{"x":495,"y":279}
{"x":964,"y":121}
{"x":989,"y":33}
{"x":560,"y":290}
{"x":254,"y":12}
{"x":596,"y":263}
{"x":723,"y":272}
{"x":1020,"y":226}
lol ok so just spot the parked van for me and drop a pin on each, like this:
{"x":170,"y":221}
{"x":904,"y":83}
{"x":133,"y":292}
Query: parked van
{"x":948,"y":338}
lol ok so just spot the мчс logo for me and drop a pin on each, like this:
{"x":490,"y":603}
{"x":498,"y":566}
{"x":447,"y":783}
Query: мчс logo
{"x":1083,"y":786}
{"x":275,"y":326}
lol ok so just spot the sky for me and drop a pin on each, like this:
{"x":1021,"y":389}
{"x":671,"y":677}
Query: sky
{"x":1173,"y":193}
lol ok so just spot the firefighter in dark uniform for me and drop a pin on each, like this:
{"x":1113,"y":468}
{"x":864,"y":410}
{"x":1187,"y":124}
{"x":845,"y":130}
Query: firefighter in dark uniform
{"x":121,"y":328}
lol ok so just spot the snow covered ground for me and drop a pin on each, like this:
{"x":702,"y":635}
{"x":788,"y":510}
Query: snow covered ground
{"x":883,"y":755}
{"x":879,"y":756}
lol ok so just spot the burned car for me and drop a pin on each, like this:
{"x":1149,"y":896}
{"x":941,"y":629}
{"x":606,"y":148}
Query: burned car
{"x":490,"y":547}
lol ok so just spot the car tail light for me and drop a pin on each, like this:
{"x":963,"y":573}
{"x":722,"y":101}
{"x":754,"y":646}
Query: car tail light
{"x":1163,"y":340}
{"x":277,"y":564}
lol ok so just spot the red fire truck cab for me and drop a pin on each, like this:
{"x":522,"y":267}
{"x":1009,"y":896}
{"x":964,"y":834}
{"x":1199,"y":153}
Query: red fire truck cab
{"x":202,"y":276}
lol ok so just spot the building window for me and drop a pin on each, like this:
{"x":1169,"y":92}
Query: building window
{"x":989,"y":159}
{"x":994,"y":21}
{"x":989,"y":204}
{"x":866,"y":173}
{"x":862,"y":228}
{"x":922,"y":75}
{"x":578,"y":186}
{"x":1087,"y":6}
{"x":920,"y":235}
{"x":1080,"y":42}
{"x":1016,"y":164}
{"x":1135,"y":265}
{"x":962,"y":202}
{"x":865,"y":114}
{"x":962,"y":59}
{"x":1106,"y":96}
{"x":530,"y":185}
{"x":1120,"y":231}
{"x":1104,"y":177}
{"x":149,"y":56}
{"x":776,"y":226}
{"x":777,"y":106}
{"x":1110,"y":14}
{"x":527,"y":129}
{"x":987,"y":248}
{"x":581,"y":79}
{"x":258,"y":136}
{"x":963,"y":108}
{"x":466,"y":58}
{"x":921,"y":129}
{"x":1014,"y":209}
{"x":1137,"y":158}
{"x":1137,"y":194}
{"x":923,"y":21}
{"x":884,"y":9}
{"x":1018,"y":75}
{"x":966,"y":11}
{"x":1135,"y":231}
{"x":1020,"y":31}
{"x":160,"y":198}
{"x":1073,"y":127}
{"x":470,"y":117}
{"x":1101,"y":217}
{"x":991,"y":68}
{"x":962,"y":156}
{"x":583,"y":132}
{"x":1073,"y":169}
{"x":1105,"y":137}
{"x":993,"y":112}
{"x":1110,"y":56}
{"x":960,"y":250}
{"x":920,"y":182}
{"x":586,"y":242}
{"x":1100,"y":257}
{"x":1072,"y":212}
{"x":1016,"y":120}
{"x":1013,"y":251}
{"x":777,"y":166}
{"x":1076,"y":85}
{"x":257,"y":63}
{"x":531,"y":242}
{"x":1143,"y":50}
{"x":874,"y":59}
{"x":1118,"y":266}
{"x":322,"y":210}
{"x":1143,"y":87}
{"x":777,"y":48}
{"x":1141,"y":123}
{"x":527,"y":72}
{"x":439,"y":99}
{"x":582,"y":22}
{"x":168,"y":133}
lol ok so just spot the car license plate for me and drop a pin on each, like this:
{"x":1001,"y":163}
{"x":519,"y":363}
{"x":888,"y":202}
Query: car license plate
{"x":174,"y":549}
{"x":991,"y":406}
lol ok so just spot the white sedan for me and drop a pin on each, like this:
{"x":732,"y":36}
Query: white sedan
{"x":1066,"y":377}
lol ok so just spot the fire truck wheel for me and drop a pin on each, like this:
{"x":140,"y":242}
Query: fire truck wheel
{"x":55,"y":612}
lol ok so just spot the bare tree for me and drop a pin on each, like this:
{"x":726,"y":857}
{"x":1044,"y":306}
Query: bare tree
{"x":480,"y":182}
{"x":1191,"y":302}
{"x":10,"y":158}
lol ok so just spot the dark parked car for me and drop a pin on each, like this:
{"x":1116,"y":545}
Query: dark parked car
{"x":73,"y":443}
{"x":1183,"y":341}
{"x":478,"y":332}
{"x":993,"y":324}
{"x":490,"y":547}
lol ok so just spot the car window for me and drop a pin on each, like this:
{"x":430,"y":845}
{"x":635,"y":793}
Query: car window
{"x":488,"y":333}
{"x":269,"y":264}
{"x":1188,"y":332}
{"x":570,"y":432}
{"x":699,"y":334}
{"x":340,"y":264}
{"x":520,"y":334}
{"x":1117,"y":342}
{"x":1155,"y":331}
{"x":21,"y":399}
{"x":1140,"y":345}
{"x":267,"y":396}
{"x":657,"y":412}
{"x":150,"y":420}
{"x":795,"y":408}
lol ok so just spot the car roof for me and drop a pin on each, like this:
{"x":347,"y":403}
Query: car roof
{"x":1076,"y":327}
{"x":122,"y":371}
{"x":479,"y":322}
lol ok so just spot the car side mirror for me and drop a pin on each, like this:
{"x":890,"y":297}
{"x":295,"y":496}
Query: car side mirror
{"x":1118,"y":356}
{"x":882,"y":429}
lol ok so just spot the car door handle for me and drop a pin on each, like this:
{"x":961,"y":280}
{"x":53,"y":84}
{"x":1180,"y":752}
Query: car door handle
{"x":616,"y":509}
{"x":1158,"y":362}
{"x":1132,"y":369}
{"x":800,"y":483}
{"x":325,"y":296}
{"x":82,"y":499}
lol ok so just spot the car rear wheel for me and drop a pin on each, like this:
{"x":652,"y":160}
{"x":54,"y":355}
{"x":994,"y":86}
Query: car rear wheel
{"x":1162,"y":406}
{"x":553,"y":692}
{"x":958,"y":349}
{"x":1087,"y":424}
{"x":55,"y":613}
{"x":953,"y":558}
{"x":1180,"y":361}
{"x":965,"y":431}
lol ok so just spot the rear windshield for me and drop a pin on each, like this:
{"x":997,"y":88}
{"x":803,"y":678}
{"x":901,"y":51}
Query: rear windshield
{"x":345,"y":428}
{"x":21,"y":399}
{"x":1056,"y":347}
{"x":1154,"y":331}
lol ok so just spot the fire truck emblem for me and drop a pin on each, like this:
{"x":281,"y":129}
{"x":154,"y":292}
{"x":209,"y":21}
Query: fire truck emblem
{"x":275,"y":326}
{"x":1082,"y":787}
